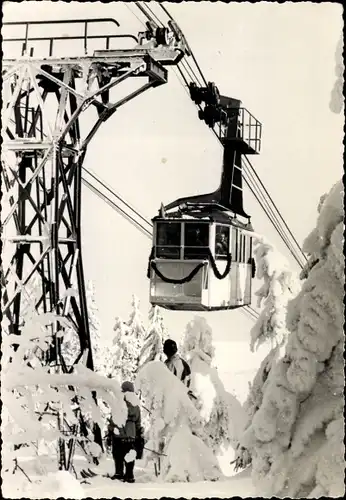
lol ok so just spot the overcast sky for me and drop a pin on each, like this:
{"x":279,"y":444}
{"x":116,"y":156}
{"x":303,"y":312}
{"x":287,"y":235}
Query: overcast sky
{"x":279,"y":60}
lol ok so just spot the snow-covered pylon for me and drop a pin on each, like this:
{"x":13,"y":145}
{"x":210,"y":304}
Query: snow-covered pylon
{"x":152,"y":349}
{"x":296,"y":437}
{"x":176,"y":427}
{"x":279,"y":287}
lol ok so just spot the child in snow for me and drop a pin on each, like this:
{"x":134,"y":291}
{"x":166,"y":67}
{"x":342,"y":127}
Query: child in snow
{"x":125,"y":438}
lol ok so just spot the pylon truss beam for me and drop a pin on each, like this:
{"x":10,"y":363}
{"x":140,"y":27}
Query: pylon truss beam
{"x":162,"y":55}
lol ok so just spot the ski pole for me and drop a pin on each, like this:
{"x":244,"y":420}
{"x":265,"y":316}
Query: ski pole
{"x":153,"y":451}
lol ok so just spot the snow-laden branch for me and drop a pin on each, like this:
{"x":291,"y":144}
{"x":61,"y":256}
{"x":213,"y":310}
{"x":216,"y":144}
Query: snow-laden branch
{"x":90,"y":379}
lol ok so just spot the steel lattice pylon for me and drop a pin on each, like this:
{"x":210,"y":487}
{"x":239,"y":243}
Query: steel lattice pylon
{"x":43,"y":153}
{"x":44,"y":103}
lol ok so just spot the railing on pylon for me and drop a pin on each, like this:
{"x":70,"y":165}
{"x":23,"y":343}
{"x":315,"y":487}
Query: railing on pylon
{"x":26,"y":39}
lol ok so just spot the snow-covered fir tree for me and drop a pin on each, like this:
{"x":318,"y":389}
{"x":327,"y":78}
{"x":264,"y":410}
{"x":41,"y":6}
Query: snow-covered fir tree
{"x":71,"y":344}
{"x":220,"y":411}
{"x":279,"y":286}
{"x":127,"y":342}
{"x":176,"y":433}
{"x":155,"y":336}
{"x":135,"y":322}
{"x":97,"y":342}
{"x":296,"y":437}
{"x":118,"y":352}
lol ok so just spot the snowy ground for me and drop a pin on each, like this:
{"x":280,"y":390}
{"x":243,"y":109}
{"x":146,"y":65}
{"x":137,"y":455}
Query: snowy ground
{"x":238,"y":485}
{"x":60,"y":485}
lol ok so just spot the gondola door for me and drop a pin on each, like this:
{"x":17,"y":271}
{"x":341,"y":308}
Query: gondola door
{"x":238,"y":270}
{"x":249,"y":270}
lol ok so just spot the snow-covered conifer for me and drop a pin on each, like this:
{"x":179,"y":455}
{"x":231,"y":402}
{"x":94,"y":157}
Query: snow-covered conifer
{"x":128,"y":342}
{"x":156,"y":335}
{"x":135,"y":322}
{"x":71,"y":344}
{"x":120,"y":357}
{"x":221,"y":412}
{"x":198,"y":336}
{"x":176,"y":429}
{"x":94,"y":326}
{"x":296,"y":437}
{"x":279,"y":287}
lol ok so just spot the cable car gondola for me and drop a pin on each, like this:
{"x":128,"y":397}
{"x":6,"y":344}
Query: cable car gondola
{"x":201,"y":256}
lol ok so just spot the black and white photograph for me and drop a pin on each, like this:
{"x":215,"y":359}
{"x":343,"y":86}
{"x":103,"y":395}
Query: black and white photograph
{"x":172,"y":235}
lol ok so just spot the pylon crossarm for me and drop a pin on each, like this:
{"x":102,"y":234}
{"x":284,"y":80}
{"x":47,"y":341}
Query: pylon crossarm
{"x":136,"y":69}
{"x":109,"y":57}
{"x":26,"y":144}
{"x":111,"y":109}
{"x":91,"y":99}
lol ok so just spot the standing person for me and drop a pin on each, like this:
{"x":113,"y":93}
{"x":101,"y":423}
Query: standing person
{"x":124,"y":438}
{"x":175,"y":363}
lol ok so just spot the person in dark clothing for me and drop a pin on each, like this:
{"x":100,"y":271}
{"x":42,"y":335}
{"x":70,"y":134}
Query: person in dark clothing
{"x":124,"y":438}
{"x":175,"y":363}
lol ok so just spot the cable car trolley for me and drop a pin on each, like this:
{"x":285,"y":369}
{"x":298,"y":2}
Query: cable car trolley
{"x":201,"y":257}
